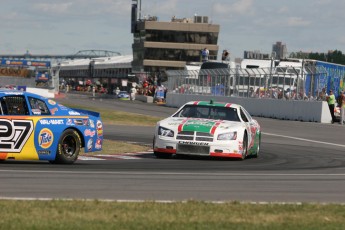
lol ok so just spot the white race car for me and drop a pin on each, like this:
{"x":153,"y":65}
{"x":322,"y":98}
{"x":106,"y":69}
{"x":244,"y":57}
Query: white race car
{"x":207,"y":128}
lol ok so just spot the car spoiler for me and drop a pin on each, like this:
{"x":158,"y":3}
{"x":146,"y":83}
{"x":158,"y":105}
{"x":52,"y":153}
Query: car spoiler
{"x":88,"y":112}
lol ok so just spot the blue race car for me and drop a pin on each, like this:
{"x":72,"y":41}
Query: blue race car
{"x":33,"y":127}
{"x":123,"y":95}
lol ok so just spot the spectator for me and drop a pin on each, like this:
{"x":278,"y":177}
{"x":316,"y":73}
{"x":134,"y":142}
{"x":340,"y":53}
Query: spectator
{"x":204,"y":54}
{"x":323,"y":95}
{"x":133,"y":92}
{"x":331,"y":102}
{"x":342,"y":108}
{"x":225,"y":56}
{"x":117,"y":91}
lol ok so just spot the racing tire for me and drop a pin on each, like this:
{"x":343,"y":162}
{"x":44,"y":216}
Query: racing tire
{"x":245,"y":147}
{"x":256,"y":155}
{"x":162,"y":155}
{"x":159,"y":154}
{"x":68,"y":147}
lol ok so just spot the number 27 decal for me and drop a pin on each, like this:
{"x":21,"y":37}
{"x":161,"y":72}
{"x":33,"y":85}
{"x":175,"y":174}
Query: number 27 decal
{"x":14,"y":134}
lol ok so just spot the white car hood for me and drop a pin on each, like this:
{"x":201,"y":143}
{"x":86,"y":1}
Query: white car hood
{"x":178,"y":124}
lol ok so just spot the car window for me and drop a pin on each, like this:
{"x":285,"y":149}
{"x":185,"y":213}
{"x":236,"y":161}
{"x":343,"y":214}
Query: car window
{"x":14,"y":105}
{"x":38,"y":107}
{"x":243,"y":116}
{"x":2,"y":107}
{"x":209,"y":112}
{"x":247,"y":114}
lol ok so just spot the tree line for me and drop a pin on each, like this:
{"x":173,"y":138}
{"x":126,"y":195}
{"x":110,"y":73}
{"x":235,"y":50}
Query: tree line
{"x":335,"y":56}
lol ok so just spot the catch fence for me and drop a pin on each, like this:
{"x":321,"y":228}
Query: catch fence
{"x":280,"y":83}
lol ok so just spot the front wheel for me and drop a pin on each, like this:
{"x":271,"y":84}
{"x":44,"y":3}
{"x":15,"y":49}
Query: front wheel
{"x":68,"y":147}
{"x":159,"y":154}
{"x":162,"y":155}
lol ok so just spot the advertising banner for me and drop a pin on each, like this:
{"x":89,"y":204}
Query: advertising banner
{"x":14,"y":72}
{"x":25,"y":63}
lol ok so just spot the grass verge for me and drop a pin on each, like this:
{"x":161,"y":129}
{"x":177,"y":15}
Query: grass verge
{"x":119,"y":118}
{"x":118,"y":147}
{"x":114,"y":117}
{"x":95,"y":214}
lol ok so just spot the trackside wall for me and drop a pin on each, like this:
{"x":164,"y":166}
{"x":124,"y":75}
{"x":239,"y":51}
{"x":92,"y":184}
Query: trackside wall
{"x":49,"y":93}
{"x":309,"y":111}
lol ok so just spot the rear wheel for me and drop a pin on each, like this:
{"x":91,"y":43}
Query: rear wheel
{"x":245,"y":146}
{"x":257,"y":148}
{"x":68,"y":147}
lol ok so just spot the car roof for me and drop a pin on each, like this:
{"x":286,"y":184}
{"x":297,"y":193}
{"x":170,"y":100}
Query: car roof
{"x":6,"y":92}
{"x":213,"y":103}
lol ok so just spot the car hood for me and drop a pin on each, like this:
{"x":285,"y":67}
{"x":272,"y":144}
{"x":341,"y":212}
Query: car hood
{"x":200,"y":125}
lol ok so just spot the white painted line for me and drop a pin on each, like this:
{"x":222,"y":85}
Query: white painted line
{"x":303,"y":139}
{"x":177,"y":173}
{"x":84,"y":158}
{"x":128,"y":157}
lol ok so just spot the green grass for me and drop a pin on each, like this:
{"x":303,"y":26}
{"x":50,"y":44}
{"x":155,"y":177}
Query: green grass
{"x":115,"y":117}
{"x":119,"y":147}
{"x":58,"y":214}
{"x":119,"y":118}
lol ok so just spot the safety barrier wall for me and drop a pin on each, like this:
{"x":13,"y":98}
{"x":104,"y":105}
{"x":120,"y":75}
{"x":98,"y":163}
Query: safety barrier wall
{"x":309,"y":111}
{"x":49,"y":93}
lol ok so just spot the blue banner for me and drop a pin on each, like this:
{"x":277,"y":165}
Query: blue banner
{"x":335,"y":78}
{"x":25,"y":63}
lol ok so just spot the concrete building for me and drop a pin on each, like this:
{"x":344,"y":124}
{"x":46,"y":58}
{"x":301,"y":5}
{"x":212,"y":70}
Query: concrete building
{"x":279,"y":50}
{"x":254,"y":55}
{"x":160,"y":46}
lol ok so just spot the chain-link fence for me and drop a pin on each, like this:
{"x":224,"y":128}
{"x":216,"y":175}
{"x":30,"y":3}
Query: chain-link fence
{"x":279,"y":83}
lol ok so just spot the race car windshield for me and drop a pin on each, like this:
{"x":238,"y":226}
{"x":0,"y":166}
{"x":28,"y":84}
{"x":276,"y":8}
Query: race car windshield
{"x":209,"y":112}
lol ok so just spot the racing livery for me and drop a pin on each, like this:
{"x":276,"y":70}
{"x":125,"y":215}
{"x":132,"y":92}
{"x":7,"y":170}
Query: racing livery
{"x":36,"y":128}
{"x":208,"y":129}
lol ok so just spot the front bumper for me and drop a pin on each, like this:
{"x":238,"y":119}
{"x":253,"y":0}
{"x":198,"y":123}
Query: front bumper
{"x":231,"y":148}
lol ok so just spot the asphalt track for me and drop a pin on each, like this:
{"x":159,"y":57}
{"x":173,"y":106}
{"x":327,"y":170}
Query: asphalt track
{"x":299,"y":162}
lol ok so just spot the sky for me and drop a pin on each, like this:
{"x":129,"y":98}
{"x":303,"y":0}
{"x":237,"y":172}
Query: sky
{"x":68,"y":26}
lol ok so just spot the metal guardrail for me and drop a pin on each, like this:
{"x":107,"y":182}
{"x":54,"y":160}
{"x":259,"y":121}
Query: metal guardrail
{"x":280,"y":83}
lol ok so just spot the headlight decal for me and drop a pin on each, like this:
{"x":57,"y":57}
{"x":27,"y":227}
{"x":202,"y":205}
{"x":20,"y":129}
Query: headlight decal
{"x":227,"y":136}
{"x":165,"y":132}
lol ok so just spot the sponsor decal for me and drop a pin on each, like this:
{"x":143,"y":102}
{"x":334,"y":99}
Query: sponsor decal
{"x":69,"y":122}
{"x":45,"y":138}
{"x":73,"y":113}
{"x":53,"y":110}
{"x":89,"y":144}
{"x":36,"y":111}
{"x":51,"y":102}
{"x":99,"y":128}
{"x":92,"y":124}
{"x":174,"y":124}
{"x":52,"y":122}
{"x":86,"y":122}
{"x":14,"y":93}
{"x":62,"y":107}
{"x":78,"y":122}
{"x":14,"y":134}
{"x":89,"y":133}
{"x":197,"y":125}
{"x":98,"y":144}
{"x":43,"y":152}
{"x":193,"y":143}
